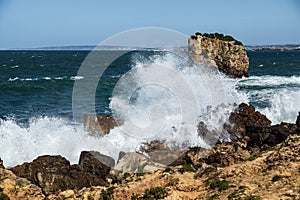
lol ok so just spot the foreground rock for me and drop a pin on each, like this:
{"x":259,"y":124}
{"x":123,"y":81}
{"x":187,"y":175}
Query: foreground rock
{"x":137,"y":163}
{"x":274,"y":174}
{"x":14,"y":187}
{"x":54,"y":174}
{"x":267,"y":174}
{"x":93,"y":160}
{"x":223,"y":52}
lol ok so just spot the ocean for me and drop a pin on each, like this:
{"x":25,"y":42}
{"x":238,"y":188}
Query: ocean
{"x":37,"y":91}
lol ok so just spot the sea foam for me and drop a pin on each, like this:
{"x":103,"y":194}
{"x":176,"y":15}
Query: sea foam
{"x":167,"y":98}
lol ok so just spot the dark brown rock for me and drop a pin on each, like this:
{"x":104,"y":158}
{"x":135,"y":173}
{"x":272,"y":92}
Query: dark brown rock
{"x":96,"y":163}
{"x":262,"y":135}
{"x":1,"y":164}
{"x":245,"y":115}
{"x":54,"y":174}
{"x":99,"y":124}
{"x":298,"y":120}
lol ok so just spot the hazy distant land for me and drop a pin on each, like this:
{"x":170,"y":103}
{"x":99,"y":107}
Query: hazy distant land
{"x":91,"y":47}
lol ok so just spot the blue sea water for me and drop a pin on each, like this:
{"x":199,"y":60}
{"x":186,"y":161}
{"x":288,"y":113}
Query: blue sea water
{"x":36,"y":89}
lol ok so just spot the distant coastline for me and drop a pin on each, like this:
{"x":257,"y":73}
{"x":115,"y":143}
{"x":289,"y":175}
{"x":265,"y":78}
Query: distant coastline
{"x":288,"y":47}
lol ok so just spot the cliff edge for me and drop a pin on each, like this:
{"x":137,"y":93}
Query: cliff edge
{"x":224,"y":52}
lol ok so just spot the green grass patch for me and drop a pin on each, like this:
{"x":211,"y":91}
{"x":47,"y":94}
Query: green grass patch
{"x":173,"y":182}
{"x":253,"y":157}
{"x":186,"y":168}
{"x":168,"y":169}
{"x":219,"y":184}
{"x":151,"y":194}
{"x":276,"y":178}
{"x":108,"y":193}
{"x":3,"y":196}
{"x":252,"y":197}
{"x":213,"y":197}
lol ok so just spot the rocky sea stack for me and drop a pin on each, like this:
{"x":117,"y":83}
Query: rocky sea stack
{"x":223,"y":52}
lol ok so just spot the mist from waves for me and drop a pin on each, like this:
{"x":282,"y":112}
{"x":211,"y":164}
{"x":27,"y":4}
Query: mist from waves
{"x":213,"y":97}
{"x":204,"y":95}
{"x":275,"y":96}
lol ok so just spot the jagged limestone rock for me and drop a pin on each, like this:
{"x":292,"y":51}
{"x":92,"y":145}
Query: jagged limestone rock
{"x":229,"y":57}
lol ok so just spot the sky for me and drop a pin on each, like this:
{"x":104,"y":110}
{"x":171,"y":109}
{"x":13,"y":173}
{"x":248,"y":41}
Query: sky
{"x":44,"y":23}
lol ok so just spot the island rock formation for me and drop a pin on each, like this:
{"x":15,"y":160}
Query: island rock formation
{"x":224,"y":52}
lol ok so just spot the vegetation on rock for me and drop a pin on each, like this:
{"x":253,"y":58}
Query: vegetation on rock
{"x":219,"y":36}
{"x":152,"y":194}
{"x":186,"y":168}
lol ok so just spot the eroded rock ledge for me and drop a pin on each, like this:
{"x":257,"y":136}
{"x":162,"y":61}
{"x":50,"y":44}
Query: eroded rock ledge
{"x":223,"y":52}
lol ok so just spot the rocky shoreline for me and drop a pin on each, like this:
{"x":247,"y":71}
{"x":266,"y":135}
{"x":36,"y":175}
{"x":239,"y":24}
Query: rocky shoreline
{"x":262,"y":161}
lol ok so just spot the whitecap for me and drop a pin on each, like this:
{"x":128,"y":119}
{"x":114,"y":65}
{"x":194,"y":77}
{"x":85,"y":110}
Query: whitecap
{"x":76,"y":78}
{"x":13,"y":79}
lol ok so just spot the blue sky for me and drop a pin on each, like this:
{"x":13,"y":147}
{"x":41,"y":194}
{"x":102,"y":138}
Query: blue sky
{"x":40,"y":23}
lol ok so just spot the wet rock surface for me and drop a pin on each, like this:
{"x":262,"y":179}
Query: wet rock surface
{"x":99,"y":125}
{"x":245,"y":115}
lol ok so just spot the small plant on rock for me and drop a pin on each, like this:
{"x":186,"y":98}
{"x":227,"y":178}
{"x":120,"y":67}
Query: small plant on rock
{"x":220,"y":184}
{"x":213,"y":197}
{"x":173,"y":182}
{"x":276,"y":178}
{"x":168,"y":169}
{"x":252,"y":197}
{"x":108,"y":193}
{"x":151,"y":194}
{"x":186,"y":168}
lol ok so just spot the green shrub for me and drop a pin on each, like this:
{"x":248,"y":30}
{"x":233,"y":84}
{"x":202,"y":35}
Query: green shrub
{"x":221,"y":185}
{"x":155,"y":193}
{"x":233,"y":195}
{"x":194,"y":37}
{"x":134,"y":197}
{"x":213,"y":197}
{"x":3,"y":196}
{"x":139,"y":174}
{"x":126,"y":175}
{"x":151,"y":194}
{"x":173,"y":182}
{"x":108,"y":193}
{"x":276,"y":178}
{"x":186,"y":168}
{"x":219,"y":36}
{"x":253,"y":157}
{"x":168,"y":169}
{"x":209,"y":170}
{"x":252,"y":197}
